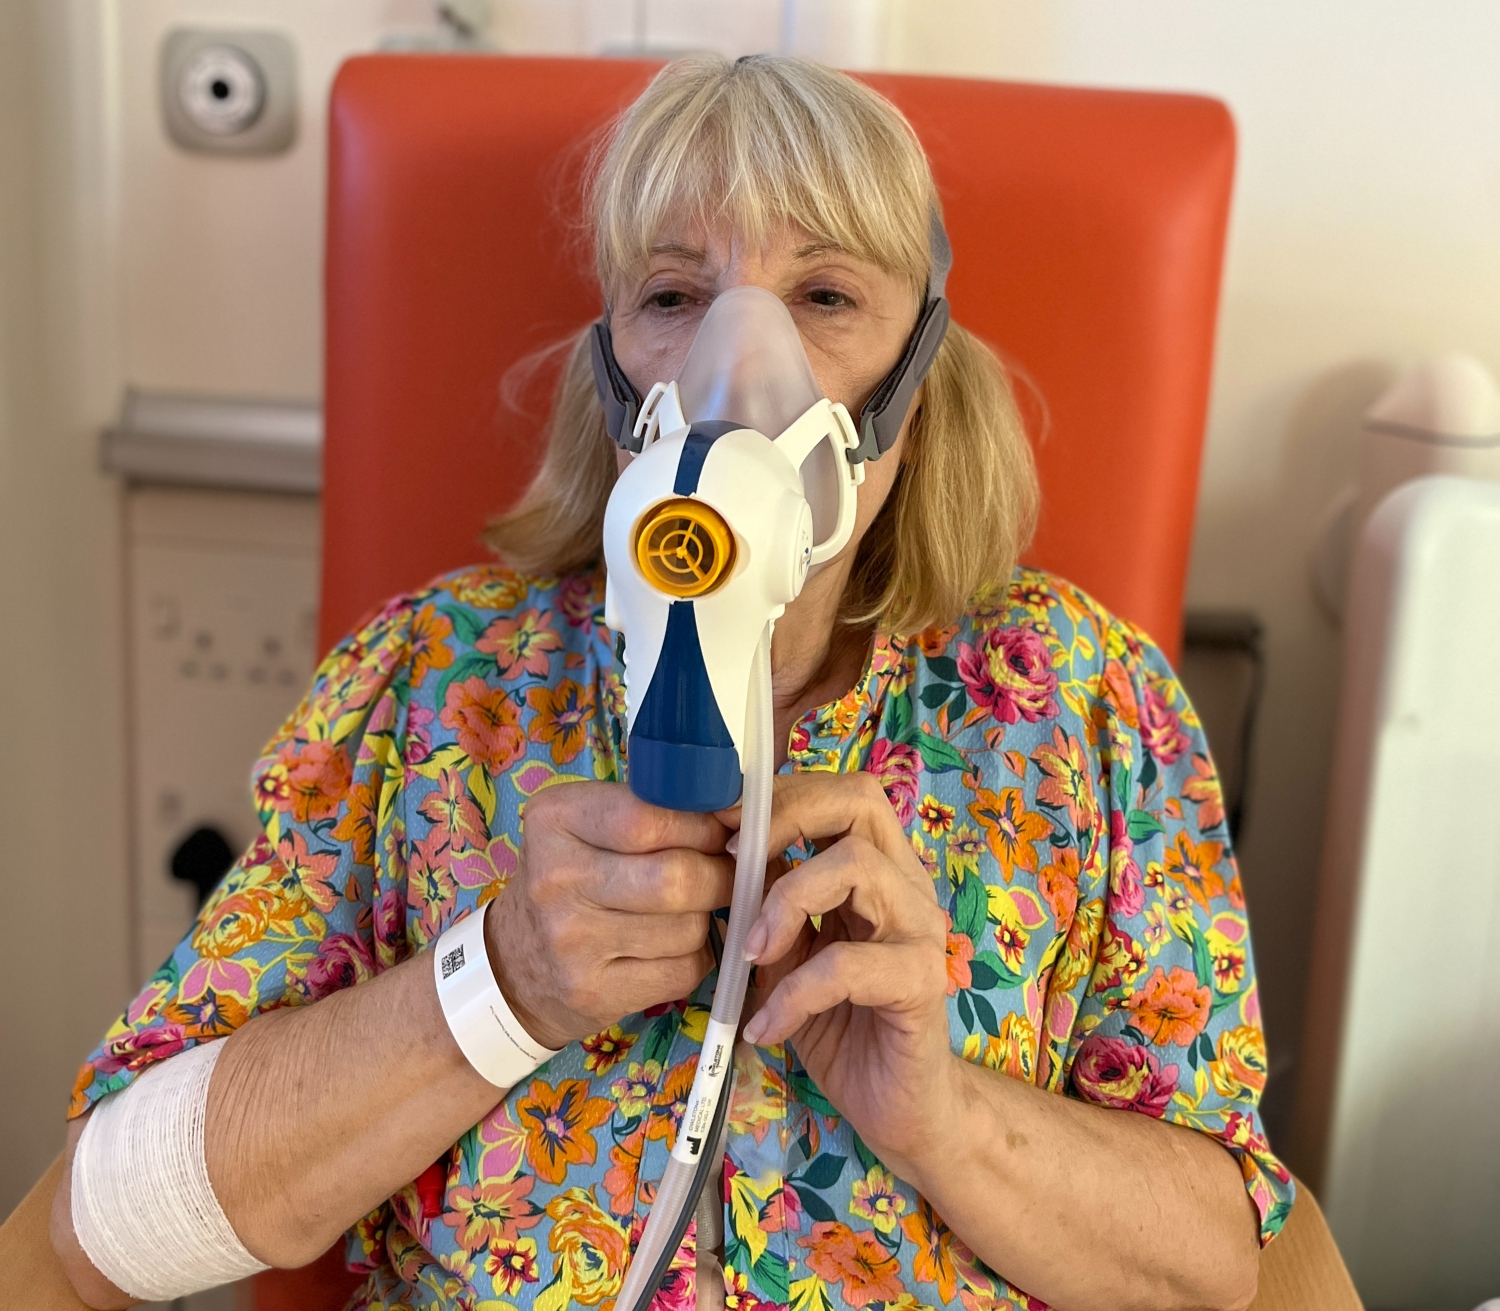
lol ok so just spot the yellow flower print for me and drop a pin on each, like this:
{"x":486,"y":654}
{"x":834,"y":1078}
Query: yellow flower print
{"x":511,"y":1264}
{"x":1229,"y":961}
{"x":937,"y":818}
{"x":875,"y":1198}
{"x":605,"y":1050}
{"x":1158,"y":932}
{"x":965,"y":847}
{"x":1239,"y":1065}
{"x":592,"y":1251}
{"x":634,"y":1090}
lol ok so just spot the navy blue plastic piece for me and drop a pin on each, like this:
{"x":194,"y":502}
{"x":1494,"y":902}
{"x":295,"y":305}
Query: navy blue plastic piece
{"x":681,"y":754}
{"x":695,"y":450}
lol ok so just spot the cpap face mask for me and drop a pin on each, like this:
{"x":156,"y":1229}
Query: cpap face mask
{"x":745,"y":480}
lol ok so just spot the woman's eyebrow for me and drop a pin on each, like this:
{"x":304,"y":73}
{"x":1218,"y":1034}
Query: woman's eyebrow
{"x":691,"y":254}
{"x":815,"y":248}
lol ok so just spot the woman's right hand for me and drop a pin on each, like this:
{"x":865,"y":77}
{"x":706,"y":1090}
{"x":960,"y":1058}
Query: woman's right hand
{"x":608,"y":913}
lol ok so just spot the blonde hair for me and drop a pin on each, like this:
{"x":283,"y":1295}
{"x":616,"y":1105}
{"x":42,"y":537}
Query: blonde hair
{"x":762,"y":142}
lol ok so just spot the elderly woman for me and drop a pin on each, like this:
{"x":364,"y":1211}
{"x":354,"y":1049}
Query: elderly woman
{"x":1004,"y":1043}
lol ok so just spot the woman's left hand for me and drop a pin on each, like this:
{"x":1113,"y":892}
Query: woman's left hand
{"x":863,"y":998}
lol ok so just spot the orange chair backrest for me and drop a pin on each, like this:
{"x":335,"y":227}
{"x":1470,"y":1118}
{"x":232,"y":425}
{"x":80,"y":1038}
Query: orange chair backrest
{"x":1087,"y":228}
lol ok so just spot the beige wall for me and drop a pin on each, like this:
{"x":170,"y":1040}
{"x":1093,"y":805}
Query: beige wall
{"x":1365,"y":235}
{"x":62,"y":860}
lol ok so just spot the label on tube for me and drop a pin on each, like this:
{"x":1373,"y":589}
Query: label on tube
{"x":714,"y":1064}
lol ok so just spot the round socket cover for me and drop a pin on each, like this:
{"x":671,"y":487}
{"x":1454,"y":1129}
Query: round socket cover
{"x":221,"y":90}
{"x":228,"y":91}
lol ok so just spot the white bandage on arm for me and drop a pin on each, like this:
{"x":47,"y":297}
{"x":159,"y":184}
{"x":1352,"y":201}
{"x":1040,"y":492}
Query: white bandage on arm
{"x":143,"y":1207}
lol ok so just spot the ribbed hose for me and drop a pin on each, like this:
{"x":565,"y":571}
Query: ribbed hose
{"x":677,"y":1193}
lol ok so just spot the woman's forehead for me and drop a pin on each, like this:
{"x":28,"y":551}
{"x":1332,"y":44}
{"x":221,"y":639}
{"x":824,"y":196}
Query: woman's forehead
{"x":702,"y":244}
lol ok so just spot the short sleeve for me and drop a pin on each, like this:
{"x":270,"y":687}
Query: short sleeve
{"x":1169,"y":1021}
{"x":317,"y":901}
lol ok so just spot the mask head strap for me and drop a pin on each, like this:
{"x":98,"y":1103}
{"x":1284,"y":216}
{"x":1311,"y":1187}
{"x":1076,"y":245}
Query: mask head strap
{"x":883,"y":414}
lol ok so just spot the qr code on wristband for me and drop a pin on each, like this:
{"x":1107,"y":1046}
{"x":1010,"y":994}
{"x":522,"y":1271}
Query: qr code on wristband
{"x":452,"y":962}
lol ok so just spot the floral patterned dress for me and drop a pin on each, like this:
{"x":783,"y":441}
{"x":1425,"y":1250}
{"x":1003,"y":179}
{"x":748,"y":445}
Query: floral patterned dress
{"x":1053,"y":779}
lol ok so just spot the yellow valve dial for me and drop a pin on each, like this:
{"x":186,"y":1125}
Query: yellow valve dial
{"x":684,"y":547}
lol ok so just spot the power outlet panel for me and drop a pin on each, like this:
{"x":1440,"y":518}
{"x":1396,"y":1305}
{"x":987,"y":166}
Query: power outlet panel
{"x":222,"y":633}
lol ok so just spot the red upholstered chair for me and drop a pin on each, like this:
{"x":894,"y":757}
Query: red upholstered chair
{"x":1087,"y":228}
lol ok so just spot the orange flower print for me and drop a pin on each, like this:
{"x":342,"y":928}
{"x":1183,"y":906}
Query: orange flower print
{"x":960,"y":953}
{"x":933,"y":1262}
{"x":511,"y":1263}
{"x":623,"y":1176}
{"x":934,"y":641}
{"x":672,"y":1097}
{"x":877,"y":1199}
{"x":592,"y":1248}
{"x":1195,"y":866}
{"x":1170,"y":1009}
{"x":208,"y":1016}
{"x":317,"y":779}
{"x":521,"y":645}
{"x":1121,"y":694}
{"x":937,"y":818}
{"x":430,"y":648}
{"x":491,"y":1212}
{"x":1058,"y":884}
{"x":239,"y":921}
{"x":309,"y":874}
{"x":1010,"y":828}
{"x":858,"y":1261}
{"x":357,"y":825}
{"x":456,"y":819}
{"x":430,"y":886}
{"x":1067,"y":783}
{"x":491,"y":588}
{"x":603,"y":1051}
{"x":557,"y":1123}
{"x":1203,"y":787}
{"x":484,"y":718}
{"x":561,"y":718}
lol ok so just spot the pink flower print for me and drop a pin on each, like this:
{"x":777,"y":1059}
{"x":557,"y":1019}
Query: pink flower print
{"x":1120,"y":1074}
{"x":1127,"y":894}
{"x":898,"y":767}
{"x":1162,"y":733}
{"x":342,"y":961}
{"x":1009,"y":673}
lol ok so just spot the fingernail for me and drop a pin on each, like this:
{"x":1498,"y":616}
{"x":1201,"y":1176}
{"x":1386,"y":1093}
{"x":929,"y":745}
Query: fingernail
{"x":755,"y":1027}
{"x":733,"y":845}
{"x":756,"y":942}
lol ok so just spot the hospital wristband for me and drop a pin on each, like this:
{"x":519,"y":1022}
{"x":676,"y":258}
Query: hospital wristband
{"x":483,"y":1025}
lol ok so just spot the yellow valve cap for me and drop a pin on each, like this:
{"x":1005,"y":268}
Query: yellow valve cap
{"x":684,"y":547}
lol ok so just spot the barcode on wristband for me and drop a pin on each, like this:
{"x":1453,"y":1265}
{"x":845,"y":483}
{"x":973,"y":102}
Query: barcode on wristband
{"x":453,"y":961}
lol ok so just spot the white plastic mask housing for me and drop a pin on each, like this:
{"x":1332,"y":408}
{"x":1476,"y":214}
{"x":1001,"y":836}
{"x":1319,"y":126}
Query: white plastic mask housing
{"x":754,"y":456}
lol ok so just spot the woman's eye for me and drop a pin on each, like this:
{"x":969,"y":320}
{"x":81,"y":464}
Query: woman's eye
{"x":828,"y":298}
{"x":667,"y":300}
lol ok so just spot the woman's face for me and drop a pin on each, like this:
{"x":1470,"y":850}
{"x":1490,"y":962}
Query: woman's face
{"x":854,"y":319}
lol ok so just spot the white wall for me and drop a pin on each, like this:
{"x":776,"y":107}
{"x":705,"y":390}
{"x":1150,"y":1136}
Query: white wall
{"x":1365,"y":235}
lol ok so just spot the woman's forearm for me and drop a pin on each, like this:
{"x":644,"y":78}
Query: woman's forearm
{"x":1087,"y":1207}
{"x":317,"y":1114}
